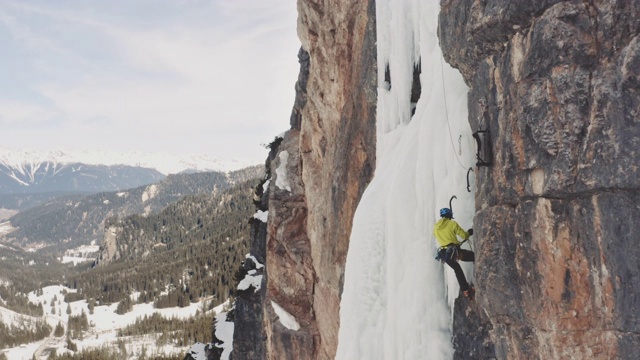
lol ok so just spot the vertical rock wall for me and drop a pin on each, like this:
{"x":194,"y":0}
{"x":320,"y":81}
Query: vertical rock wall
{"x":318,"y":173}
{"x":337,"y":142}
{"x":557,"y":215}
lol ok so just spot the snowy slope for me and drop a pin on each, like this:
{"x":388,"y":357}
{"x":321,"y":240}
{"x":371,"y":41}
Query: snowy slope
{"x":397,"y":299}
{"x":106,"y":324}
{"x":163,"y":162}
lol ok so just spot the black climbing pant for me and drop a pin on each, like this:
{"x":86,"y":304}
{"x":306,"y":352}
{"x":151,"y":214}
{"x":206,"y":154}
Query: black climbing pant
{"x":462,"y":255}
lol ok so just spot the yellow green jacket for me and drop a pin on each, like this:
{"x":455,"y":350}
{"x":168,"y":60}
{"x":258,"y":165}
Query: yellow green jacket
{"x":446,"y":230}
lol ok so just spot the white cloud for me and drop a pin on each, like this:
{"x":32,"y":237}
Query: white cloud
{"x":201,"y":76}
{"x":19,"y":113}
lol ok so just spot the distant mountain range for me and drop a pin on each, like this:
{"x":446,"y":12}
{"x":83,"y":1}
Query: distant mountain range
{"x":29,"y":178}
{"x":162,"y":162}
{"x":69,"y":221}
{"x":48,"y":176}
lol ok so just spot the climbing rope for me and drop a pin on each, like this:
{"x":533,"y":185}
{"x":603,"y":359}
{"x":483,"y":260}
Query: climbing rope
{"x":446,"y":111}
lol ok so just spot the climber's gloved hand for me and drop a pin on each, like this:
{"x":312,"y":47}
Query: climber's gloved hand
{"x":470,"y":231}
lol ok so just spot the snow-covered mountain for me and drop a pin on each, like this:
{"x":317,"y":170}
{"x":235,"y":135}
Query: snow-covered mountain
{"x":162,"y":162}
{"x":55,"y":177}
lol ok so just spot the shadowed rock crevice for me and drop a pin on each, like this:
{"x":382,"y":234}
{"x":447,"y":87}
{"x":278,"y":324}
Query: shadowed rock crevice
{"x":301,"y":90}
{"x":416,"y":86}
{"x":387,"y":77}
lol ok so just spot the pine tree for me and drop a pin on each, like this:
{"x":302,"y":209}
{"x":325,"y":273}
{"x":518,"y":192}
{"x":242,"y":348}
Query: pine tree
{"x":59,"y":331}
{"x":71,"y":345}
{"x":92,"y":303}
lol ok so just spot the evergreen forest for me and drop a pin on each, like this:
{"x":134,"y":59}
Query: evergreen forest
{"x":188,"y":251}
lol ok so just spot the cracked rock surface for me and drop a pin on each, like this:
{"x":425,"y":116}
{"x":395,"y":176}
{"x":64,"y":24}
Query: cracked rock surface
{"x":557,"y":83}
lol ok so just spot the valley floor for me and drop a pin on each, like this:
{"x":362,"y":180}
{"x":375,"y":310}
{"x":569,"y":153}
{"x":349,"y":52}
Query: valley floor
{"x":104,"y":324}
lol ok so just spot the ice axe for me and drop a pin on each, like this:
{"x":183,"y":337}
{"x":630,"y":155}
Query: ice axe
{"x":450,"y":206}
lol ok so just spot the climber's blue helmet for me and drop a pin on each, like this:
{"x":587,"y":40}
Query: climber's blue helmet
{"x":446,"y":213}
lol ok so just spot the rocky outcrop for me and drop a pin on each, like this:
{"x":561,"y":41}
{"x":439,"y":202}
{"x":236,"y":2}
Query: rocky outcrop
{"x":336,"y":146}
{"x":318,"y":173}
{"x":247,"y":314}
{"x":557,"y":83}
{"x":322,"y":168}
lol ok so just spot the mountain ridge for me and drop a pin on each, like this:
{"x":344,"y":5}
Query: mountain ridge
{"x":49,"y":176}
{"x":84,"y":215}
{"x":163,"y":162}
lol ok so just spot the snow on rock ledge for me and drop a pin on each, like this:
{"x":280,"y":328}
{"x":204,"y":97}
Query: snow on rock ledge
{"x":286,"y":319}
{"x":261,"y":215}
{"x":197,"y":351}
{"x":255,"y":261}
{"x":281,"y":172}
{"x":224,"y":333}
{"x":252,"y":279}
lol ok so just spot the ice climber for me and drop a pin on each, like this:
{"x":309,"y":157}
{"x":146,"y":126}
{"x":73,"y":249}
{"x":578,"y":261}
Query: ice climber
{"x":446,"y":231}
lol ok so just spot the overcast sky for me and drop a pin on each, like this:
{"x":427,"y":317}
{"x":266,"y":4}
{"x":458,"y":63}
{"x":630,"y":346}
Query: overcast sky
{"x":211,"y":77}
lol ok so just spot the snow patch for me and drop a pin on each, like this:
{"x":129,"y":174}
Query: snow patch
{"x":282,"y":181}
{"x":198,"y":352}
{"x":150,"y":192}
{"x":224,"y":333}
{"x":255,"y":261}
{"x":251,"y":279}
{"x":80,"y":254}
{"x":6,"y":228}
{"x":285,"y":318}
{"x":261,"y":215}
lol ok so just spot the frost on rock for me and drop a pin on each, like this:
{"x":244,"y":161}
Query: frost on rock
{"x":261,"y":215}
{"x":282,"y":181}
{"x":286,"y":319}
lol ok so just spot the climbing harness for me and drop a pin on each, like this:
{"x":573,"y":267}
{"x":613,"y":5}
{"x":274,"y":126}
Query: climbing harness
{"x":450,"y":252}
{"x":446,"y":253}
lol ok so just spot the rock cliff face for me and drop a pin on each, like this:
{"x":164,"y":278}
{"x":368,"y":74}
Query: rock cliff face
{"x":318,"y":172}
{"x":557,"y":83}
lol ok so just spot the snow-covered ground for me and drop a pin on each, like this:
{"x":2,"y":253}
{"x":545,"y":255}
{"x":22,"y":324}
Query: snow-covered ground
{"x":6,"y":214}
{"x":397,"y":299}
{"x":6,"y":228}
{"x":105,"y":324}
{"x":80,"y":254}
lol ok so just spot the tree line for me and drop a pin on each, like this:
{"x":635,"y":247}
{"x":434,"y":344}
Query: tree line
{"x":12,"y":336}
